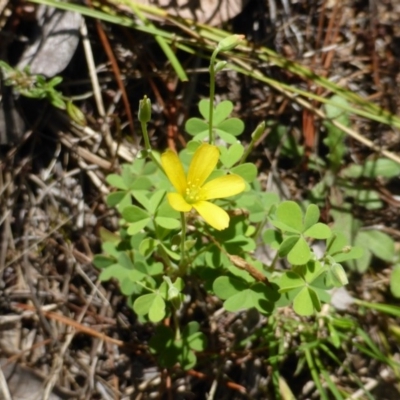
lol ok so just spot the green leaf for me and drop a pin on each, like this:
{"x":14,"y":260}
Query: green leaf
{"x":136,"y":227}
{"x":155,"y":200}
{"x":152,"y":304}
{"x":336,"y":243}
{"x":194,"y":126}
{"x":291,"y":215}
{"x":221,"y":112}
{"x":120,"y":199}
{"x":239,"y":301}
{"x":285,"y":228}
{"x":147,"y":246}
{"x":136,"y":217}
{"x":165,"y":210}
{"x":306,"y":302}
{"x":290,"y":280}
{"x":141,"y":183}
{"x":339,"y":276}
{"x":382,"y":167}
{"x":168,"y":223}
{"x":395,"y":281}
{"x":264,"y":297}
{"x":311,"y":217}
{"x":300,"y":253}
{"x":201,"y":136}
{"x":319,"y":231}
{"x":336,"y":137}
{"x":141,"y":196}
{"x":370,"y":199}
{"x":134,"y":214}
{"x":287,"y":245}
{"x":197,"y":341}
{"x":116,"y":181}
{"x":273,"y":238}
{"x":362,"y":263}
{"x":311,"y":270}
{"x":157,"y":309}
{"x":120,"y":270}
{"x":233,"y":126}
{"x":204,"y":108}
{"x":226,"y":286}
{"x":225,"y":136}
{"x":353,"y":253}
{"x":379,"y":243}
{"x":190,"y":329}
{"x":232,"y":155}
{"x":100,"y":261}
{"x":108,"y":236}
{"x":248,"y":171}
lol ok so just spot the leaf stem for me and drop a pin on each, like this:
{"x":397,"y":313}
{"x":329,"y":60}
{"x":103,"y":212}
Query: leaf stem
{"x":182,"y":264}
{"x":211,"y":135}
{"x":147,"y":145}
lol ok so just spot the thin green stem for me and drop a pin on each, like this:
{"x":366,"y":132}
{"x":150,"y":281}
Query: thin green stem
{"x":255,"y":136}
{"x":147,"y":145}
{"x":182,"y":264}
{"x":211,"y":135}
{"x":176,"y":324}
{"x":314,"y":373}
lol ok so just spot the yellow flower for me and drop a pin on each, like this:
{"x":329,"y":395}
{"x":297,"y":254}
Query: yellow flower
{"x":192,"y":192}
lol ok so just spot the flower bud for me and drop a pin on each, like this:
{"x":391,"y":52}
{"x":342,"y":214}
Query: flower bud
{"x":258,"y":131}
{"x":230,"y":42}
{"x":144,"y":114}
{"x":220,"y":65}
{"x":76,"y":114}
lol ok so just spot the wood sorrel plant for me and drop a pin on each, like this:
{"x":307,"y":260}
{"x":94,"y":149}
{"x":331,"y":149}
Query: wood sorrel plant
{"x":199,"y":216}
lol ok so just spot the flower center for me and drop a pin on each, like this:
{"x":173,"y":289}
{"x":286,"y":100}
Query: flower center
{"x":193,"y":192}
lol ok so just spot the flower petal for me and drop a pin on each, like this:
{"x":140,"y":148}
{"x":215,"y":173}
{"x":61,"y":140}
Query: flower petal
{"x":178,"y":203}
{"x":212,"y":214}
{"x":203,"y":163}
{"x":224,"y":186}
{"x":174,"y":170}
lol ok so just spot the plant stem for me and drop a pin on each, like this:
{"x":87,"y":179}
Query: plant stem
{"x":147,"y":146}
{"x":255,"y":136}
{"x":182,"y":264}
{"x":176,"y":323}
{"x":211,"y":136}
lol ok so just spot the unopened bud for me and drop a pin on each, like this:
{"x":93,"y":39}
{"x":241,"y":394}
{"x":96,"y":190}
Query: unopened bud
{"x":339,"y":275}
{"x":76,"y":114}
{"x":230,"y":42}
{"x":144,"y":114}
{"x":258,"y":131}
{"x":220,"y":65}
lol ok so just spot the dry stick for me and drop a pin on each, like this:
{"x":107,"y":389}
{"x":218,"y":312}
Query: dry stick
{"x":123,"y":151}
{"x":240,"y":263}
{"x":56,"y":229}
{"x":27,"y":270}
{"x":326,"y":60}
{"x":117,"y":73}
{"x":74,"y":324}
{"x":58,"y":361}
{"x":96,"y":90}
{"x":4,"y":387}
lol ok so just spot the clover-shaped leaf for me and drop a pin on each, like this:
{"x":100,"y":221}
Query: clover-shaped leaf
{"x":136,"y":217}
{"x":230,"y":156}
{"x":152,"y":304}
{"x":306,"y":286}
{"x":226,"y":128}
{"x":289,"y":219}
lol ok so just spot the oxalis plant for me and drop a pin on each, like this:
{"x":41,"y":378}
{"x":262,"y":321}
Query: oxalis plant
{"x":195,"y":219}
